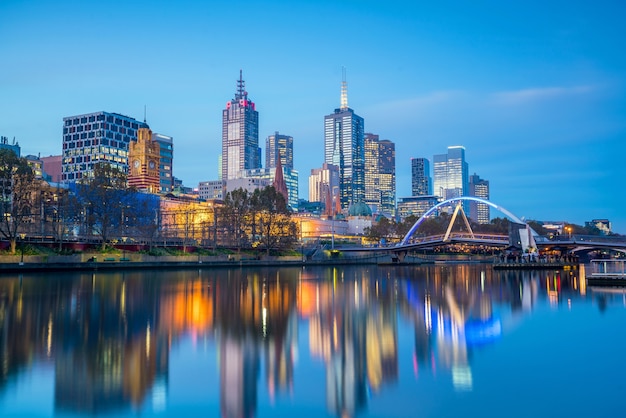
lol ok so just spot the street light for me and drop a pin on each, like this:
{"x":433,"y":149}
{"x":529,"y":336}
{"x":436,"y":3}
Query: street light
{"x":22,"y":236}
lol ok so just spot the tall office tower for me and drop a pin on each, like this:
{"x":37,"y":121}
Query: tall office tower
{"x":421,"y":182}
{"x":166,"y":171}
{"x":96,"y":137}
{"x":380,"y":174}
{"x":144,"y":156}
{"x":344,"y":147}
{"x":276,"y":145}
{"x":451,"y":173}
{"x":479,"y":188}
{"x":240,"y":134}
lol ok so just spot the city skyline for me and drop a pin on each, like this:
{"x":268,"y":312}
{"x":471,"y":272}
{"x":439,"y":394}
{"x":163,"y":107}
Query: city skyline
{"x":534,"y":92}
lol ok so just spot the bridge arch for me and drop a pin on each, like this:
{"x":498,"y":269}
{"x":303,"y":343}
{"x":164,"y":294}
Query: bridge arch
{"x":430,"y":211}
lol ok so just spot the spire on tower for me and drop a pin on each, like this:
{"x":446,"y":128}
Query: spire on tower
{"x":344,"y":89}
{"x":241,"y":87}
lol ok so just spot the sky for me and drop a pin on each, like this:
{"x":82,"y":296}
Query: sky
{"x":534,"y":90}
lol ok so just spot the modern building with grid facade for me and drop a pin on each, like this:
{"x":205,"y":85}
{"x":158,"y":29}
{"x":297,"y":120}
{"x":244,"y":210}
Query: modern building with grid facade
{"x":421,"y":182}
{"x":380,"y":174}
{"x":93,"y":138}
{"x":279,"y":145}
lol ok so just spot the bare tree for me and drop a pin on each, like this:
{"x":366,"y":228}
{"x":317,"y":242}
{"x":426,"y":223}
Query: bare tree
{"x":105,"y":200}
{"x":18,"y":191}
{"x":233,"y":217}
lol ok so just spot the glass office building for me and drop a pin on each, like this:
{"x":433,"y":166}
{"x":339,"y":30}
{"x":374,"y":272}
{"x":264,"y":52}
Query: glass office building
{"x":96,"y":137}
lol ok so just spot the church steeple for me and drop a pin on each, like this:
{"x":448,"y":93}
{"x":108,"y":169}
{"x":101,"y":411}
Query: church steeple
{"x":279,"y":180}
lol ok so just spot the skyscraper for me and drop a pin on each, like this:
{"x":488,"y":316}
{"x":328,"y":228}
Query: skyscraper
{"x":96,"y":137}
{"x":421,"y":182}
{"x":380,"y":174}
{"x":344,"y":147}
{"x":240,"y":134}
{"x":451,"y":175}
{"x":479,"y":188}
{"x":279,"y":145}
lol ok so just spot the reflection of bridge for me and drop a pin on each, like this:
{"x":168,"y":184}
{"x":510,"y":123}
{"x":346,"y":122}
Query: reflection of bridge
{"x":532,"y":239}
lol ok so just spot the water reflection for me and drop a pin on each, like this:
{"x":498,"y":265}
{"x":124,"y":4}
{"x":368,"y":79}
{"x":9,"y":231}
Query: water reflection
{"x":109,"y":336}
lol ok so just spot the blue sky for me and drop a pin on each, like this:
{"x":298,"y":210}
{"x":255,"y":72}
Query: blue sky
{"x":534,"y":90}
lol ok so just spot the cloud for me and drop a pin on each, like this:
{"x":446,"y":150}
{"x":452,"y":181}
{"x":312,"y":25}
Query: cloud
{"x":538,"y":94}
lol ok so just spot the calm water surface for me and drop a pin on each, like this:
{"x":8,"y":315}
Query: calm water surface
{"x":432,"y":341}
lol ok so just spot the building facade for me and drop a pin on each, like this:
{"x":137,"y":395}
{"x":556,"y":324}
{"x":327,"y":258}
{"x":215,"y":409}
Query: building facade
{"x":421,"y":182}
{"x":451,"y":175}
{"x":324,"y":186}
{"x":144,"y":155}
{"x":166,"y":162}
{"x":415,"y":205}
{"x":380,"y":174}
{"x":344,"y":147}
{"x":94,"y":138}
{"x":478,"y":187}
{"x":240,"y":134}
{"x":210,"y":190}
{"x":279,"y":145}
{"x":15,"y":147}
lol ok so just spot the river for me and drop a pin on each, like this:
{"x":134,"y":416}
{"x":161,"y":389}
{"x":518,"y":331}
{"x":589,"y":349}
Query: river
{"x":363,"y":341}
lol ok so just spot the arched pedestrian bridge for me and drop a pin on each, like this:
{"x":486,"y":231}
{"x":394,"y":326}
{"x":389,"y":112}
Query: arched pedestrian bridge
{"x":527,"y":237}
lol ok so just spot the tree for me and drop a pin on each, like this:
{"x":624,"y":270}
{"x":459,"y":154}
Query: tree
{"x":106,"y":201}
{"x":233,"y":216}
{"x":276,"y":229}
{"x":383,"y":229}
{"x":18,"y":190}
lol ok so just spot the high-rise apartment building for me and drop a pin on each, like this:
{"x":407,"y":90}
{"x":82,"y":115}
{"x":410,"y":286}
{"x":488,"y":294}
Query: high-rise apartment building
{"x":344,"y":147}
{"x":380,"y":174}
{"x":240,"y":134}
{"x":96,"y":137}
{"x":279,"y":145}
{"x":421,"y":182}
{"x":478,"y":187}
{"x":144,"y":156}
{"x":166,"y":162}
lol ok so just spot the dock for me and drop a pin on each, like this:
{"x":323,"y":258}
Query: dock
{"x":607,"y":272}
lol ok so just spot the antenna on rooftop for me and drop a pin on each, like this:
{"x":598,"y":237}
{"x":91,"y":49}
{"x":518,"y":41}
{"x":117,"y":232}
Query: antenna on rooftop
{"x":344,"y":89}
{"x":144,"y":113}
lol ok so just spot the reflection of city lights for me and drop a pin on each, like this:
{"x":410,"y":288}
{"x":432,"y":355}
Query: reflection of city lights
{"x":49,"y":340}
{"x":462,"y":378}
{"x":264,"y":319}
{"x":148,"y":341}
{"x":427,"y":314}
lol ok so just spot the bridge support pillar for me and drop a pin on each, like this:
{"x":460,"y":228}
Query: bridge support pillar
{"x":398,"y":256}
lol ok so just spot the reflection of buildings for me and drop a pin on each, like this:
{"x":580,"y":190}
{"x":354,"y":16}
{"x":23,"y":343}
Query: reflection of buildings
{"x":109,"y":335}
{"x":353,"y":328}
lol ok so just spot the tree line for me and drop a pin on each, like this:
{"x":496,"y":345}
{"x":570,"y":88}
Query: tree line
{"x":102,"y":208}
